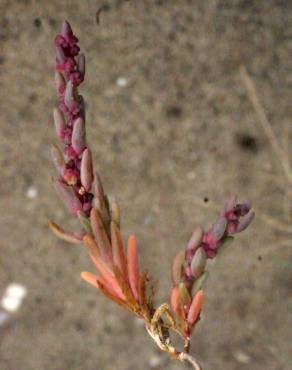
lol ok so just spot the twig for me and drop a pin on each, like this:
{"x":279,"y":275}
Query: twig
{"x":265,"y":124}
{"x":185,"y":357}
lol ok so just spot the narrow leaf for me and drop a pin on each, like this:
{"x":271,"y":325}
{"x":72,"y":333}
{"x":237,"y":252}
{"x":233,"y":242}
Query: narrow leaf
{"x":133,"y":267}
{"x":100,"y":235}
{"x":62,"y":234}
{"x":174,"y":299}
{"x":196,"y":238}
{"x":91,"y":245}
{"x":90,"y":278}
{"x":119,"y":258}
{"x":107,"y":275}
{"x":177,"y":267}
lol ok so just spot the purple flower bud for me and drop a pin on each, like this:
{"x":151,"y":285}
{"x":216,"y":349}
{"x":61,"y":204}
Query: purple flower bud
{"x":79,"y":136}
{"x":245,"y":221}
{"x":196,"y":238}
{"x":59,"y":123}
{"x":86,"y":171}
{"x":66,"y":30}
{"x":67,"y":195}
{"x":219,"y":228}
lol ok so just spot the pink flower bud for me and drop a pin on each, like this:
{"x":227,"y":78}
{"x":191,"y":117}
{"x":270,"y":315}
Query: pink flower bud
{"x":245,"y":221}
{"x":219,"y":228}
{"x":79,"y":136}
{"x":86,"y":171}
{"x":67,"y":195}
{"x":59,"y":123}
{"x":196,"y":238}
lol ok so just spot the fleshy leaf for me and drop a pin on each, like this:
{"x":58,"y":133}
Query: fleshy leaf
{"x":195,"y":308}
{"x":86,"y":170}
{"x":100,"y":235}
{"x":133,"y":266}
{"x":119,"y":258}
{"x":177,"y":267}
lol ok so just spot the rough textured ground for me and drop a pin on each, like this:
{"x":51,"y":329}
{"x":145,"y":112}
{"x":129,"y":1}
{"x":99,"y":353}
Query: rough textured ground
{"x":171,"y":145}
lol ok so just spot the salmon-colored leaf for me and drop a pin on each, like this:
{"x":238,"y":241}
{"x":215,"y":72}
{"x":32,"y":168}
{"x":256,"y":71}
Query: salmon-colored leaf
{"x":133,"y":265}
{"x":196,"y":307}
{"x":119,"y":258}
{"x":100,"y":235}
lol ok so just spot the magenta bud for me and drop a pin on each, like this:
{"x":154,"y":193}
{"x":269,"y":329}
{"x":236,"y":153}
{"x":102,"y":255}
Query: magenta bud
{"x":59,"y":123}
{"x":79,"y":136}
{"x":58,"y":159}
{"x":219,"y":228}
{"x":245,"y":221}
{"x":81,"y":64}
{"x":66,"y":29}
{"x":60,"y":82}
{"x":67,"y":195}
{"x":196,"y":238}
{"x":198,"y":263}
{"x":86,"y":171}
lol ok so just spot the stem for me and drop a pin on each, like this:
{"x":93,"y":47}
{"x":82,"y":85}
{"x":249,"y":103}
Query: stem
{"x":185,"y":357}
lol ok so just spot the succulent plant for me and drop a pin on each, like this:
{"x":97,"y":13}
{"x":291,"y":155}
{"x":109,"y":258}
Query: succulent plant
{"x":119,"y":275}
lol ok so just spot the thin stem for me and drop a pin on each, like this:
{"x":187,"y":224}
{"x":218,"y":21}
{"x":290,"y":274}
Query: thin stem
{"x":265,"y":124}
{"x":185,"y":357}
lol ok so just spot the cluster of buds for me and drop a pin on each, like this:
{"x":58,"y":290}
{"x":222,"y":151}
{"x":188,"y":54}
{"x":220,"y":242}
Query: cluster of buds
{"x":188,"y":270}
{"x":81,"y":190}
